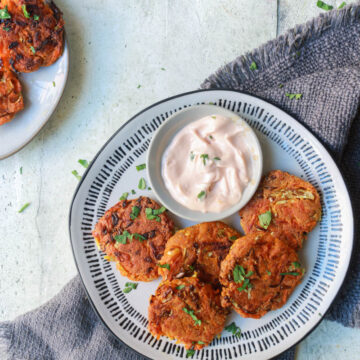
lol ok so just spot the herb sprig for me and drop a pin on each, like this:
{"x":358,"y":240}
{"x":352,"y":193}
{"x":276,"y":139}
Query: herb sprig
{"x":193,"y":316}
{"x":235,"y":330}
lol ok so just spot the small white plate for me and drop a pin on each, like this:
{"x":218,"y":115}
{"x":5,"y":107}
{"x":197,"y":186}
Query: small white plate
{"x":286,"y":145}
{"x":163,"y":137}
{"x":42,"y":91}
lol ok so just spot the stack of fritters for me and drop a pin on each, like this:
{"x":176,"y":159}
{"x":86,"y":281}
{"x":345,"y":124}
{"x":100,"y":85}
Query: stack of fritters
{"x":209,"y":268}
{"x":31,"y":36}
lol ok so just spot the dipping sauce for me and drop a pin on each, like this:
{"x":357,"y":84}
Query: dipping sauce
{"x":206,"y":166}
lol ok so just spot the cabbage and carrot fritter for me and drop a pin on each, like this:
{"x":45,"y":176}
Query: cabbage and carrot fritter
{"x":134,"y":234}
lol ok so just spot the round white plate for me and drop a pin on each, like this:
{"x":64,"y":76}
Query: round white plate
{"x":40,"y":98}
{"x":286,"y":145}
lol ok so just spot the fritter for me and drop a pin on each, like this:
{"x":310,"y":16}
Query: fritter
{"x":11,"y":99}
{"x":134,"y":234}
{"x":259,"y":274}
{"x":199,"y":248}
{"x":31,"y":33}
{"x":294,"y":205}
{"x":186,"y":310}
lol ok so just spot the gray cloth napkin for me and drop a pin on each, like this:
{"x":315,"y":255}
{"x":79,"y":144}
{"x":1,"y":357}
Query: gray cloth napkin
{"x":319,"y":60}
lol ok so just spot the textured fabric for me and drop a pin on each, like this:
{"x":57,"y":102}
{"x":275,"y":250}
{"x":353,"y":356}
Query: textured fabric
{"x":319,"y":60}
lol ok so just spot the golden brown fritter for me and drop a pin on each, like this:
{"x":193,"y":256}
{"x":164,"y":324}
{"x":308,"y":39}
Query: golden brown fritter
{"x":31,"y":33}
{"x":259,"y":274}
{"x":186,"y":310}
{"x":199,"y":248}
{"x":134,"y":234}
{"x":11,"y":99}
{"x":294,"y":204}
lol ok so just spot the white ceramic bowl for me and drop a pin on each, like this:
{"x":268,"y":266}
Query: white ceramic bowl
{"x":163,"y":138}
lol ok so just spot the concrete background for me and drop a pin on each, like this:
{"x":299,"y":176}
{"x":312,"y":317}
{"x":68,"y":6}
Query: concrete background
{"x":115,"y":46}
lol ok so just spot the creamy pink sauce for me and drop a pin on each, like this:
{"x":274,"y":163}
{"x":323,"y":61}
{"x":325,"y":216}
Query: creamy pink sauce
{"x":204,"y":167}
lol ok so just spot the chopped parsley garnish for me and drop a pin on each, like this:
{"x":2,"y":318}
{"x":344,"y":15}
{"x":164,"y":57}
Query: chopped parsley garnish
{"x":324,"y":6}
{"x":294,"y":96}
{"x":268,"y":272}
{"x":232,"y":238}
{"x":193,"y":316}
{"x":191,"y":267}
{"x":163,"y":69}
{"x":36,"y":17}
{"x":192,"y":156}
{"x":124,"y":196}
{"x":139,"y":86}
{"x":76,"y":174}
{"x":235,"y":330}
{"x":26,"y":13}
{"x":281,"y":86}
{"x":130,"y":286}
{"x":204,"y":157}
{"x":6,"y":29}
{"x":32,"y":49}
{"x":149,"y":188}
{"x":239,"y":274}
{"x":214,"y":117}
{"x":24,"y":207}
{"x":21,"y":170}
{"x":83,"y":163}
{"x":246,"y":286}
{"x":152,"y":214}
{"x":164,"y":266}
{"x":253,"y":66}
{"x":142,"y":184}
{"x":265,"y":219}
{"x":122,"y":238}
{"x":190,"y":353}
{"x":290,"y":273}
{"x":180,"y":287}
{"x":201,"y":195}
{"x":140,"y":167}
{"x":342,"y":5}
{"x":211,"y":137}
{"x":200,"y":342}
{"x":296,"y":265}
{"x":54,"y":85}
{"x":4,"y":14}
{"x":133,"y":192}
{"x":139,"y":237}
{"x":217,"y":158}
{"x":135,"y":211}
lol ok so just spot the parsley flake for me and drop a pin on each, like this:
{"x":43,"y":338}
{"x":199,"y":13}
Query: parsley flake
{"x":36,"y":17}
{"x":133,"y":192}
{"x":281,"y":86}
{"x":190,"y":353}
{"x":122,"y":238}
{"x":193,"y":316}
{"x":217,"y":158}
{"x":233,"y":238}
{"x":83,"y":163}
{"x":152,"y":214}
{"x":253,"y":66}
{"x":32,"y":49}
{"x":201,"y":343}
{"x":142,"y":184}
{"x":192,"y":156}
{"x":265,"y":219}
{"x":140,"y":167}
{"x":127,"y":290}
{"x":26,"y":13}
{"x":204,"y":157}
{"x":135,"y":211}
{"x":76,"y":174}
{"x":21,"y":170}
{"x":54,"y":84}
{"x":139,"y":237}
{"x":4,"y":14}
{"x":129,"y":287}
{"x":320,"y":4}
{"x":124,"y":196}
{"x":164,"y":266}
{"x":163,"y":69}
{"x":235,"y":330}
{"x":239,"y":274}
{"x":268,"y":272}
{"x":201,"y":195}
{"x":6,"y":29}
{"x":139,"y":86}
{"x":180,"y":287}
{"x":24,"y":207}
{"x":342,"y":5}
{"x":294,"y":96}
